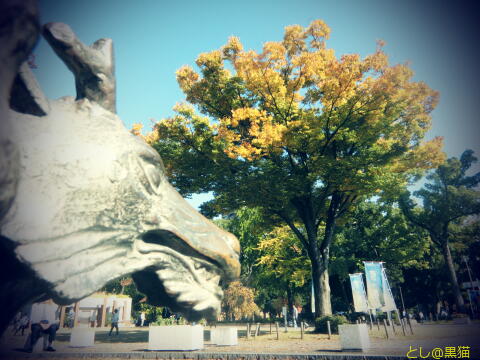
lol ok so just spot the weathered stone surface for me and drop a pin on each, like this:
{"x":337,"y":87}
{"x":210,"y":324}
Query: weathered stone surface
{"x":19,"y":30}
{"x":92,"y":66}
{"x":87,"y":202}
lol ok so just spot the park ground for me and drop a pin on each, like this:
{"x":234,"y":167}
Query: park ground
{"x":132,"y":342}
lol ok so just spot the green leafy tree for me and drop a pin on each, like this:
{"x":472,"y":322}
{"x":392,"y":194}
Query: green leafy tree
{"x":248,"y":226}
{"x":283,"y":261}
{"x":448,"y":198}
{"x":297,"y":132}
{"x":260,"y":248}
{"x":378,"y":231}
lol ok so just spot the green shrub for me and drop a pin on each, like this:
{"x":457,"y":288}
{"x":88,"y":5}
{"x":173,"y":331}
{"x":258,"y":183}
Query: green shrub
{"x":164,"y":321}
{"x":335,"y":320}
{"x":353,"y":317}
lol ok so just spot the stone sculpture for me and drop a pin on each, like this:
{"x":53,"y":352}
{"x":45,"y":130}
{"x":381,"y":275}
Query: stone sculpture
{"x":83,"y":201}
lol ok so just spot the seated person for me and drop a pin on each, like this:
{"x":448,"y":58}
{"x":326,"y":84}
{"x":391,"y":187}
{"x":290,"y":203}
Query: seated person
{"x":43,"y":318}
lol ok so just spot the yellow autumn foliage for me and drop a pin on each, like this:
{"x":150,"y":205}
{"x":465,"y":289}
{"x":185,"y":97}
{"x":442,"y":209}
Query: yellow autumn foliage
{"x":298,"y":97}
{"x":238,"y":300}
{"x":281,"y":253}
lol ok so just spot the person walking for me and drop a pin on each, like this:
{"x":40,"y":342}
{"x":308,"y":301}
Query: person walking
{"x":93,"y":318}
{"x":115,"y":318}
{"x":142,"y":318}
{"x":420,"y":317}
{"x":70,"y":318}
{"x":295,"y":316}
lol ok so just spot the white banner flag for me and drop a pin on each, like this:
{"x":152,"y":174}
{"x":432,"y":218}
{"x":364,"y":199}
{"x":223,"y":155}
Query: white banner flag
{"x":387,"y":294}
{"x":358,"y":292}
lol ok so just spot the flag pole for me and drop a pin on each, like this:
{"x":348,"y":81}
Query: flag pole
{"x":401,"y":297}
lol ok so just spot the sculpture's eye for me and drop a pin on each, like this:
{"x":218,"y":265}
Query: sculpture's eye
{"x":153,"y":176}
{"x":150,"y":174}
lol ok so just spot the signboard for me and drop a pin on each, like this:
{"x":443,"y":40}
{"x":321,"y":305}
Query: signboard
{"x":358,"y":292}
{"x":375,"y":291}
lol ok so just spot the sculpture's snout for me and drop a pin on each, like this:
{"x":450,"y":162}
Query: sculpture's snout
{"x":186,"y":257}
{"x":179,"y":218}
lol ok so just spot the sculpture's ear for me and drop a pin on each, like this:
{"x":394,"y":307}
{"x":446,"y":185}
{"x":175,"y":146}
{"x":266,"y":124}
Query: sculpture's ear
{"x":92,"y":66}
{"x":19,"y":30}
{"x":26,"y":96}
{"x":105,"y":47}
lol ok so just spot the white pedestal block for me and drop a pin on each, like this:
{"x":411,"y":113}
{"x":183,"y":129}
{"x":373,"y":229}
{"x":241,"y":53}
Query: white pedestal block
{"x":82,"y":337}
{"x":224,"y":336}
{"x":175,"y":337}
{"x":354,"y":337}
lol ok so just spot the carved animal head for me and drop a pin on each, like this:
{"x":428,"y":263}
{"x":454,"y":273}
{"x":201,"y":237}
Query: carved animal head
{"x":92,"y":202}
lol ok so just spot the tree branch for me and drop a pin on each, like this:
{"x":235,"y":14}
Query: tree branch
{"x":292,"y":226}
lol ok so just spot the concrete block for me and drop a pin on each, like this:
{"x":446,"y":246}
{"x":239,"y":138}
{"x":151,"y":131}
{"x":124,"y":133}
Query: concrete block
{"x":175,"y":337}
{"x":354,"y":337}
{"x":224,"y":336}
{"x":82,"y":337}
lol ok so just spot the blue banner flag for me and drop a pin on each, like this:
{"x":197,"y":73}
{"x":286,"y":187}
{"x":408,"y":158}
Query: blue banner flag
{"x":358,"y":291}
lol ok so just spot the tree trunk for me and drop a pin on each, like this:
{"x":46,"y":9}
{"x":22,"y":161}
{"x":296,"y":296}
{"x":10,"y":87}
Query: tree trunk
{"x":318,"y":249}
{"x":325,"y":300}
{"x":289,"y":302}
{"x":319,"y":258}
{"x":453,"y":277}
{"x":321,"y":289}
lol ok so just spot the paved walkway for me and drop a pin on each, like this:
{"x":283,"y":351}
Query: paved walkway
{"x":133,"y":342}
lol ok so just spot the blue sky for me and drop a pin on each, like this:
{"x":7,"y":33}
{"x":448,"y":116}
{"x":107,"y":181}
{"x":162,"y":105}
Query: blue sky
{"x":152,"y":39}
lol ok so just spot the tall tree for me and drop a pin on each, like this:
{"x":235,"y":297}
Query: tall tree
{"x":298,"y":133}
{"x":448,"y":198}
